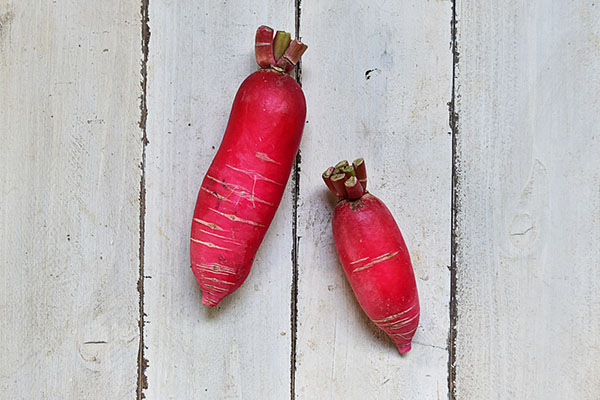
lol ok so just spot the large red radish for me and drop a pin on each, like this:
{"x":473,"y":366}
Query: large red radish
{"x":373,"y":254}
{"x":246,"y":180}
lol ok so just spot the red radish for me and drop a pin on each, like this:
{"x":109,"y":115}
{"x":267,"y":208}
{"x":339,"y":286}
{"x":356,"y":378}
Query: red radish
{"x":245,"y":182}
{"x":373,"y":254}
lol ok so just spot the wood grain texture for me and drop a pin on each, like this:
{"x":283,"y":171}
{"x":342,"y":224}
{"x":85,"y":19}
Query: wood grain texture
{"x":69,"y":243}
{"x":528,"y":222}
{"x":200,"y":52}
{"x":377,"y":79}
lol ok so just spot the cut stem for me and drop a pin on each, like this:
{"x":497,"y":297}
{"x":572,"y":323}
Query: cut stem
{"x":292,"y":55}
{"x":348,"y":170}
{"x":338,"y":183}
{"x":353,"y":188}
{"x":361,"y":171}
{"x":327,"y":178}
{"x":341,"y":164}
{"x":337,"y":169}
{"x":347,"y":181}
{"x":279,"y":53}
{"x":263,"y":46}
{"x":280,"y":44}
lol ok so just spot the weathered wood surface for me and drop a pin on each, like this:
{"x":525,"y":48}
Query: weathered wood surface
{"x":69,"y":208}
{"x":377,"y":78}
{"x":199,"y":55}
{"x":378,"y":82}
{"x":528,"y":200}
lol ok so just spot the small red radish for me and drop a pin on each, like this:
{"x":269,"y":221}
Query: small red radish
{"x":246,"y":180}
{"x":373,"y":254}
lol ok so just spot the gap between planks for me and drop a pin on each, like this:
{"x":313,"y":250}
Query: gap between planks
{"x":453,"y":120}
{"x":142,"y":362}
{"x":295,"y":238}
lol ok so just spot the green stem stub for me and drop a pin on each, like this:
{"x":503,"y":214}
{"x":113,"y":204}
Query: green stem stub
{"x":281,"y":43}
{"x":353,"y":188}
{"x":361,"y":171}
{"x":338,"y":181}
{"x":327,"y":179}
{"x":349,"y":171}
{"x":279,"y":53}
{"x":341,"y":164}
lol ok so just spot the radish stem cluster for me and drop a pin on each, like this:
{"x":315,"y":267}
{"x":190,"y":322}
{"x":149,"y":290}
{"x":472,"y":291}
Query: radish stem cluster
{"x":348,"y":182}
{"x":279,"y":52}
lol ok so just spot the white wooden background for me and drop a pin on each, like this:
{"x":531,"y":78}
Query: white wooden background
{"x":480,"y":125}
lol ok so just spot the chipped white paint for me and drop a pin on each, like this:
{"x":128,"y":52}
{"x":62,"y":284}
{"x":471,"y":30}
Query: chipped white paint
{"x":69,"y":200}
{"x":528,"y":200}
{"x":377,"y":81}
{"x":200,"y":52}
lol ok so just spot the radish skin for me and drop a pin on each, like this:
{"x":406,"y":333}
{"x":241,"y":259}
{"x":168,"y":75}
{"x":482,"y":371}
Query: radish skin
{"x":244,"y":184}
{"x":377,"y":264}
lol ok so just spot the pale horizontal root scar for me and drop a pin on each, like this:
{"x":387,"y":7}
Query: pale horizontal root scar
{"x":211,"y":225}
{"x":403,"y":335}
{"x":209,"y":244}
{"x":397,"y":324}
{"x":226,"y":185}
{"x":217,"y":268}
{"x":223,"y":238}
{"x":215,"y":288}
{"x":215,"y":194}
{"x":361,"y":260}
{"x":232,"y":187}
{"x":240,"y":192}
{"x":251,"y":197}
{"x":381,"y":258}
{"x":400,"y":335}
{"x":264,"y":157}
{"x":209,"y":300}
{"x":254,"y":175}
{"x":393,"y":316}
{"x":207,"y":278}
{"x":208,"y":269}
{"x":212,"y":178}
{"x":236,"y":218}
{"x":384,"y":257}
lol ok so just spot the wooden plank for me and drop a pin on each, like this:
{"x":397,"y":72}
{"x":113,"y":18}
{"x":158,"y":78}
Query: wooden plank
{"x":69,"y":243}
{"x":377,"y":81}
{"x":528,"y":224}
{"x":199,"y":54}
